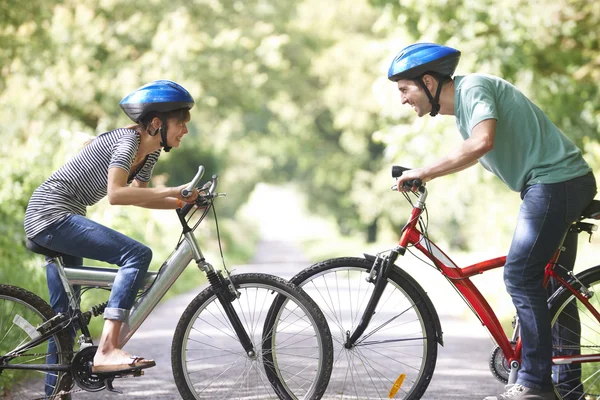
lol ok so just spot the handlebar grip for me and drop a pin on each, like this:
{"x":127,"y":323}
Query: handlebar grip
{"x":412,"y":183}
{"x":190,"y":188}
{"x":398,"y":170}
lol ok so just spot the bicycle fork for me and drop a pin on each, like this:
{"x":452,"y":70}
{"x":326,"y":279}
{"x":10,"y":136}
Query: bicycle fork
{"x":226,"y":297}
{"x":380,"y":283}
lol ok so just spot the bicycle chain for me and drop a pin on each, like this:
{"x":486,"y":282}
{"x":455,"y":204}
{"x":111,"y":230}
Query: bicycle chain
{"x":43,"y":354}
{"x":63,"y":393}
{"x":59,"y":395}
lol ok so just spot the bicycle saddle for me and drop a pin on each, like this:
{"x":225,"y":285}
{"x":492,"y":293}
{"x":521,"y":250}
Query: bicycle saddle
{"x":592,"y":211}
{"x":36,"y":248}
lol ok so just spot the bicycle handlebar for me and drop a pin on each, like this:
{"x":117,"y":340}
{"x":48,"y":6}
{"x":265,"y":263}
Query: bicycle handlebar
{"x":202,"y":199}
{"x":397,"y":171}
{"x":187,"y":192}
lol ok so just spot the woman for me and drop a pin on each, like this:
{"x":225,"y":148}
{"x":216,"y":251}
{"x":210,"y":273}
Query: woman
{"x":117,"y":164}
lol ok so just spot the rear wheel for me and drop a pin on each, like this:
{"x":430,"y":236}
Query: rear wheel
{"x":396,"y":355}
{"x":576,"y":331}
{"x":21,"y":312}
{"x":293,"y":350}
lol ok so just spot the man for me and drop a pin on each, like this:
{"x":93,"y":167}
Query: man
{"x":512,"y":138}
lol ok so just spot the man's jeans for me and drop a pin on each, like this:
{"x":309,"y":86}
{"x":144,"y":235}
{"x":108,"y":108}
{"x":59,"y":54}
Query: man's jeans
{"x":78,"y":237}
{"x":546,"y":213}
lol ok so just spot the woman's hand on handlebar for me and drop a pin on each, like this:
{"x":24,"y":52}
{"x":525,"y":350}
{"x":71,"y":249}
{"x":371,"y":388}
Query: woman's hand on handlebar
{"x":189,"y":199}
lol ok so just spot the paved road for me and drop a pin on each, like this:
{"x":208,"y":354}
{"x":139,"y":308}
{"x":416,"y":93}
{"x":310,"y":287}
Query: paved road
{"x":461,"y":372}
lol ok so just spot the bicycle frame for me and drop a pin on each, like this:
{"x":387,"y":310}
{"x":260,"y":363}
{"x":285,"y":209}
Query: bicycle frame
{"x":460,"y":279}
{"x":157,"y":283}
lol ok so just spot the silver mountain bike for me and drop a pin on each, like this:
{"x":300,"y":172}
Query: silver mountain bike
{"x":231,"y":341}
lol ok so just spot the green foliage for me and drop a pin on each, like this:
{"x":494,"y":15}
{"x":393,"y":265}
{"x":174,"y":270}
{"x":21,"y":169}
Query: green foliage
{"x":284,"y":92}
{"x":551,"y":49}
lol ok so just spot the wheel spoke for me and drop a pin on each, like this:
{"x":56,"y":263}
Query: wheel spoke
{"x":283,"y":328}
{"x":576,"y":332}
{"x":398,"y":339}
{"x":20,"y":310}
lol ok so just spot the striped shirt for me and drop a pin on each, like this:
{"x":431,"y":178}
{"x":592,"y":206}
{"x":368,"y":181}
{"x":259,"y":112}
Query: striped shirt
{"x":82,"y":181}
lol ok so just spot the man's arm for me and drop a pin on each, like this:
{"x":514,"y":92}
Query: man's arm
{"x":481,"y":141}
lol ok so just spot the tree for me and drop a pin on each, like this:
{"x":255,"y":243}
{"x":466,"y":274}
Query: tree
{"x":550,"y":49}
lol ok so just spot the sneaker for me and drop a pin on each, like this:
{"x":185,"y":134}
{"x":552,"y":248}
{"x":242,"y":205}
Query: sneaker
{"x":520,"y":392}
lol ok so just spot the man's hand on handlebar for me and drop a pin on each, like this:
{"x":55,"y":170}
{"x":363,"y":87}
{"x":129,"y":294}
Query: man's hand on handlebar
{"x":408,"y":179}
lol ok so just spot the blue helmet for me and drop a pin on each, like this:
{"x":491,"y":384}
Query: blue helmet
{"x":417,"y":59}
{"x":160,"y":96}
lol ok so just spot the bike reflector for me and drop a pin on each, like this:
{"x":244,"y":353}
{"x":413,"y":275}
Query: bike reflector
{"x":26,"y":326}
{"x":396,"y":386}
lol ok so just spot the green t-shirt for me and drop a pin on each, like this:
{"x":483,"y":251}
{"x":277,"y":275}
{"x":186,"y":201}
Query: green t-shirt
{"x":528,"y":147}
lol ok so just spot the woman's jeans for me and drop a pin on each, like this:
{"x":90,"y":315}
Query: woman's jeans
{"x":78,"y":237}
{"x":544,"y":218}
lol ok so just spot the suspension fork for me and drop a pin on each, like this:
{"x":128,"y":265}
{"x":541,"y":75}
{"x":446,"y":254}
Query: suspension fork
{"x":380,"y":284}
{"x":226,"y":297}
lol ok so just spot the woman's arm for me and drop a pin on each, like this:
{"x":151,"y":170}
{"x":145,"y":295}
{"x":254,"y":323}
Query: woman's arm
{"x":120,"y":194}
{"x":169,"y":203}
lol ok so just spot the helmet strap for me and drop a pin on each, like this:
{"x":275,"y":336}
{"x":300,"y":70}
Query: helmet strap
{"x":435,"y":101}
{"x":163,"y":136}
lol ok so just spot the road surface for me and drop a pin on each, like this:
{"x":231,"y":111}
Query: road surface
{"x":462,"y":368}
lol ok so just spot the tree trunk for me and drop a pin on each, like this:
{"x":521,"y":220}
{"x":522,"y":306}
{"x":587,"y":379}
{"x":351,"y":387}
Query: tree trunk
{"x":372,"y":232}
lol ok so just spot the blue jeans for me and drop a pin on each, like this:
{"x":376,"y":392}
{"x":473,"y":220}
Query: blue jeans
{"x":545,"y":215}
{"x":78,"y":237}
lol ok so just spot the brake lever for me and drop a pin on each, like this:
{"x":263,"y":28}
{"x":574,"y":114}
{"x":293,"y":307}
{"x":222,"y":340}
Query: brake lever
{"x":203,"y":200}
{"x":206,"y":186}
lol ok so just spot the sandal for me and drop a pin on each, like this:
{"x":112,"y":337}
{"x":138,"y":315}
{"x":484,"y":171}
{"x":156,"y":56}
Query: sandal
{"x":136,"y":364}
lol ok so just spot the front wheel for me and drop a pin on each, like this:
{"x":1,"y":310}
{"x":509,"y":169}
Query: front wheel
{"x":292,"y":348}
{"x":576,"y":332}
{"x":21,"y":312}
{"x":396,"y":355}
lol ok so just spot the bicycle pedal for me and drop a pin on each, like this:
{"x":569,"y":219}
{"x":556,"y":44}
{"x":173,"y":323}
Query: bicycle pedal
{"x":132,"y":373}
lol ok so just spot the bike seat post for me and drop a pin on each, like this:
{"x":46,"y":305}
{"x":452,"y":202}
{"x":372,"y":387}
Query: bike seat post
{"x":60,"y":268}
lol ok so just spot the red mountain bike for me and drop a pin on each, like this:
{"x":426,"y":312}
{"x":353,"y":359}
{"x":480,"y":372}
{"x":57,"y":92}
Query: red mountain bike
{"x":377,"y":311}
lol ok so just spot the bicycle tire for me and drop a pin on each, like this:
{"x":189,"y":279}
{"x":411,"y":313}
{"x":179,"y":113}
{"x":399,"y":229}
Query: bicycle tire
{"x":576,"y":381}
{"x":224,"y":371}
{"x":355,"y":374}
{"x":22,"y":311}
